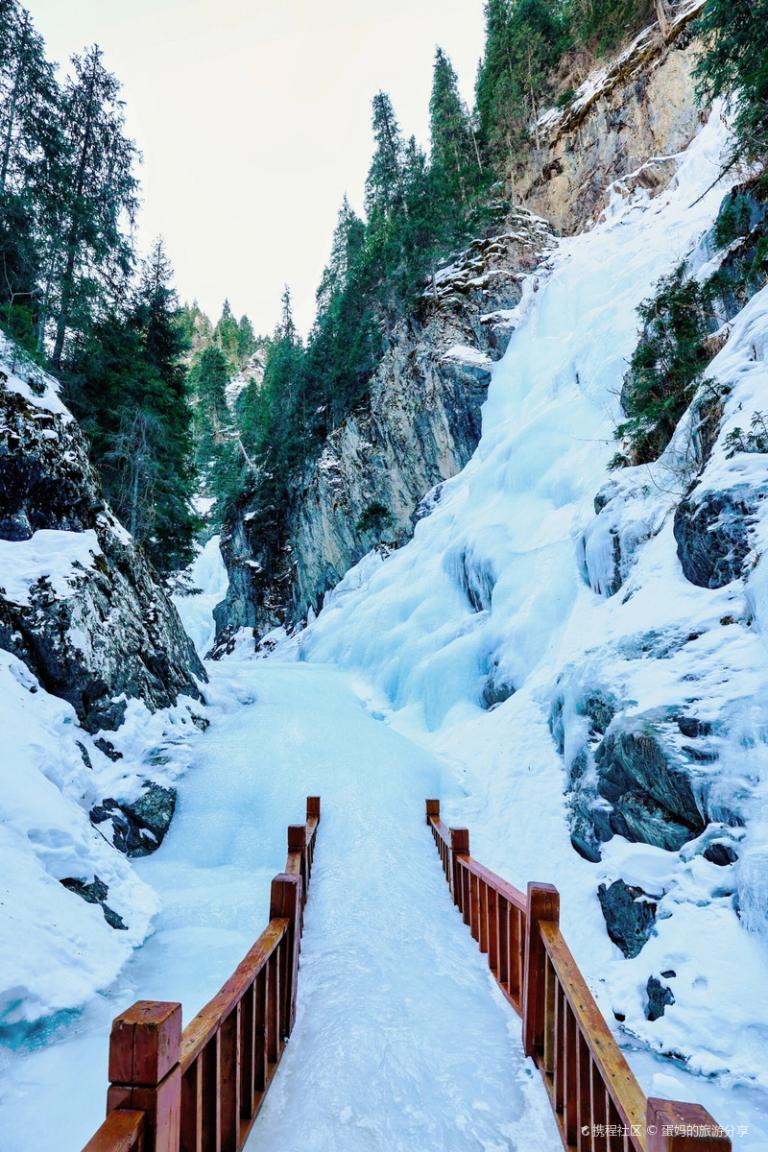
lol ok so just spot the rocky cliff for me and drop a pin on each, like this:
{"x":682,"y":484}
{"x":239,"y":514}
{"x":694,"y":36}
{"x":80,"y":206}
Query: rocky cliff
{"x":422,"y":420}
{"x":79,"y":604}
{"x":100,"y":689}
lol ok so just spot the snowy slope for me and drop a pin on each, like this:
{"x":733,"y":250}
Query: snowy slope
{"x":492,"y":602}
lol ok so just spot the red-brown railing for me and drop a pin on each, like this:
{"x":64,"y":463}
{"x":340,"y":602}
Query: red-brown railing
{"x":598,"y":1104}
{"x":200,"y":1090}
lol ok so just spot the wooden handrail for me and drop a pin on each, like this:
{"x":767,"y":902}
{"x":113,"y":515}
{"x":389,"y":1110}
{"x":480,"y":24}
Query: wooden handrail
{"x":598,"y":1104}
{"x":121,"y":1132}
{"x":202,"y":1089}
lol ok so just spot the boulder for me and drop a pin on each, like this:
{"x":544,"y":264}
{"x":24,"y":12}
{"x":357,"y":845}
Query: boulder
{"x":629,"y":916}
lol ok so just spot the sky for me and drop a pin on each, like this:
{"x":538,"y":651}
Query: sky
{"x":253,"y":117}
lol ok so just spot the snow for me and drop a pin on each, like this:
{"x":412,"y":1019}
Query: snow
{"x":50,"y":555}
{"x":496,"y":580}
{"x":20,"y":374}
{"x":208,"y":579}
{"x":402,"y":1040}
{"x":54,"y":948}
{"x":467,"y":355}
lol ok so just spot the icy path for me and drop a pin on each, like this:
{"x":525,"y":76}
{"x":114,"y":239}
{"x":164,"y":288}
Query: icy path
{"x":402,"y":1041}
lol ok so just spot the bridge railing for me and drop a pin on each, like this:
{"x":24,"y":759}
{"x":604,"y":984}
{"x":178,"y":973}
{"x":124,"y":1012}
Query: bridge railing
{"x":200,"y":1090}
{"x":598,"y":1104}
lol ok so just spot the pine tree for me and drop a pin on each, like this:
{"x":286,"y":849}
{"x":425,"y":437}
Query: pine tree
{"x":98,"y":192}
{"x":246,"y":341}
{"x":455,"y":157}
{"x":735,"y":66}
{"x":30,"y":143}
{"x":384,"y":185}
{"x":227,"y":335}
{"x":166,"y":417}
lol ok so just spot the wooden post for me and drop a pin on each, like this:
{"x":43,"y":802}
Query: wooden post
{"x":313,"y":807}
{"x":459,"y":847}
{"x":286,"y":903}
{"x":433,"y":810}
{"x":543,"y":904}
{"x":144,"y":1070}
{"x":675,"y":1127}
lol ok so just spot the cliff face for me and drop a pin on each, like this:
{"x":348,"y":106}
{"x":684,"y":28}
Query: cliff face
{"x":422,"y":421}
{"x":79,"y":604}
{"x":626,"y":122}
{"x":420,"y":425}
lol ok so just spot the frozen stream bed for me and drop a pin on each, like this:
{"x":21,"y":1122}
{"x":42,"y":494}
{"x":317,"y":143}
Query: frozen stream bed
{"x":402,"y":1040}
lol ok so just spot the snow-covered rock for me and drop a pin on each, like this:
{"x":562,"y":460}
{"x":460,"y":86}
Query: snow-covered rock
{"x":98,"y":687}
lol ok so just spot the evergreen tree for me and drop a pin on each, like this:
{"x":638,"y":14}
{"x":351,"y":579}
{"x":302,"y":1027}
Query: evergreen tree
{"x":735,"y":66}
{"x":30,"y":143}
{"x":384,"y":185}
{"x":166,"y":424}
{"x":455,"y":158}
{"x":246,"y":341}
{"x":227,"y":335}
{"x":525,"y":40}
{"x":92,"y":259}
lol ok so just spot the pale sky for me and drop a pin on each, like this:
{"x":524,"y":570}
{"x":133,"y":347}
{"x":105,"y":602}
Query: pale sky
{"x":254,"y":119}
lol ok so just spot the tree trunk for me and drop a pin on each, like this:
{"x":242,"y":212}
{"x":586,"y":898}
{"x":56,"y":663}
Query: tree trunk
{"x":14,"y":101}
{"x":662,"y":15}
{"x":73,"y":242}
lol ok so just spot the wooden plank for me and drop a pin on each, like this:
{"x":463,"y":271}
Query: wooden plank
{"x":247,"y":1052}
{"x":570,"y":1077}
{"x":211,"y":1069}
{"x":192,"y":1108}
{"x":543,"y":905}
{"x":608,"y":1058}
{"x":483,"y":915}
{"x":199,"y":1031}
{"x":493,"y":939}
{"x":583,"y":1097}
{"x":122,"y":1131}
{"x":273,"y":1009}
{"x":474,"y":905}
{"x":229,"y":1079}
{"x":261,"y":1061}
{"x":508,"y":891}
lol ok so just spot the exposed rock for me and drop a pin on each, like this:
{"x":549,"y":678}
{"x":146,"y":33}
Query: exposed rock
{"x":659,"y":997}
{"x":419,"y":425}
{"x":650,"y":790}
{"x":712,"y":534}
{"x":638,"y":107}
{"x":720,"y":853}
{"x":497,"y":688}
{"x":629,"y":916}
{"x":96,"y":893}
{"x":138,"y":827}
{"x":104,"y":631}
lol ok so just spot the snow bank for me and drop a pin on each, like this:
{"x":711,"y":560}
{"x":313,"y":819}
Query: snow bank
{"x":509,"y":584}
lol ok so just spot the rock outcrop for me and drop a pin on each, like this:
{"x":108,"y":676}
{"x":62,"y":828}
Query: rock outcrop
{"x":419,"y":426}
{"x":79,"y":603}
{"x":625,"y":123}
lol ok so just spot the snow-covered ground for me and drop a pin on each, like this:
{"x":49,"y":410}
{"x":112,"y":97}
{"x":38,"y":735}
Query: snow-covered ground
{"x":402,"y":1041}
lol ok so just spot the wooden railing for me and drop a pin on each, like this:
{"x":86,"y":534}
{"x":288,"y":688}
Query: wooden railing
{"x":598,"y":1104}
{"x":200,"y":1090}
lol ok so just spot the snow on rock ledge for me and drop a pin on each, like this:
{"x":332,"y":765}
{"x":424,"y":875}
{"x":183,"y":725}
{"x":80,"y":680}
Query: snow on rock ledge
{"x":81,"y":607}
